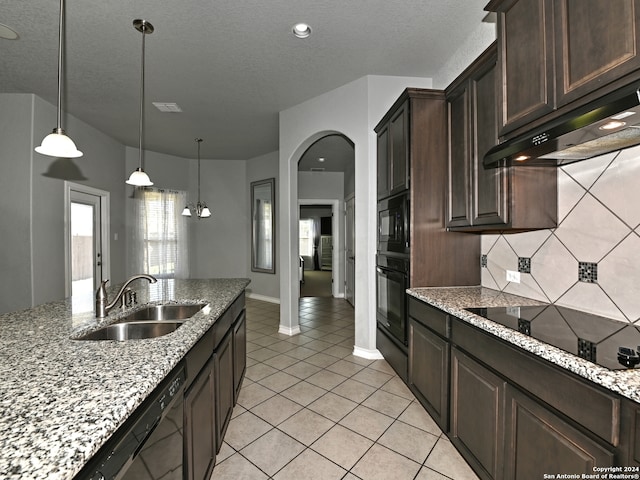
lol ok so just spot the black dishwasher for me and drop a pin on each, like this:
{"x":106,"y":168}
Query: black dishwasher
{"x":150,"y":445}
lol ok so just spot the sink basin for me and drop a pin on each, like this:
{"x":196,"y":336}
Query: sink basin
{"x":164,"y":312}
{"x":133,"y":330}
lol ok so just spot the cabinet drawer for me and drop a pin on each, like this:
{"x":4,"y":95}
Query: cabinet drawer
{"x":576,"y":398}
{"x":431,"y":317}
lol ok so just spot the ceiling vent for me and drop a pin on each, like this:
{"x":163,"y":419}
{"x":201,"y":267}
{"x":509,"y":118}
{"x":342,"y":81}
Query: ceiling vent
{"x":167,"y":107}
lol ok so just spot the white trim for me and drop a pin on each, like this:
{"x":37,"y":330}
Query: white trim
{"x":289,"y":331}
{"x":337,"y":266}
{"x":263,"y":298}
{"x":105,"y":234}
{"x":366,"y":353}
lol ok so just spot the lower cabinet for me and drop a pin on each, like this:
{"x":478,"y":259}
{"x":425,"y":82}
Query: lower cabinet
{"x":200,"y":425}
{"x":429,"y":371}
{"x":239,"y":352}
{"x":225,"y":391}
{"x":541,"y":442}
{"x":477,"y":415}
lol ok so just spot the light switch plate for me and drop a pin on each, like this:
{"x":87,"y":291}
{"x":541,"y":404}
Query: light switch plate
{"x":513,"y":276}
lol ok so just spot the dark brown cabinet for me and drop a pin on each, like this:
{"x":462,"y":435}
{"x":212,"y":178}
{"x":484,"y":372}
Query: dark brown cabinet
{"x":239,"y":352}
{"x":541,"y":442}
{"x":557,"y":53}
{"x":428,"y":376}
{"x":493,"y":199}
{"x":477,"y":415}
{"x":393,"y":153}
{"x":630,"y":435}
{"x":200,"y":425}
{"x":225,"y":391}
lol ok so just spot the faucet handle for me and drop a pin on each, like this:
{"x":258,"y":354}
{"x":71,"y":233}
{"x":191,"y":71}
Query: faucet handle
{"x":101,"y":293}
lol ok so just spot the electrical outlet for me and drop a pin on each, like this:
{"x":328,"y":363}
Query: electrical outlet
{"x":513,"y":276}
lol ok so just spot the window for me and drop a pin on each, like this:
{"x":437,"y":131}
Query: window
{"x":306,"y":237}
{"x":161,"y":243}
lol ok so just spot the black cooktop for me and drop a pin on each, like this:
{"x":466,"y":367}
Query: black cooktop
{"x":609,"y":343}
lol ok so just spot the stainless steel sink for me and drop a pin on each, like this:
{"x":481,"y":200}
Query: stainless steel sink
{"x":165,"y":312}
{"x":133,"y":330}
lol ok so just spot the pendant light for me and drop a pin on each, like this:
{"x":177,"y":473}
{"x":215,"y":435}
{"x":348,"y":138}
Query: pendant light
{"x":139,"y":178}
{"x":57,"y":144}
{"x":200,"y":208}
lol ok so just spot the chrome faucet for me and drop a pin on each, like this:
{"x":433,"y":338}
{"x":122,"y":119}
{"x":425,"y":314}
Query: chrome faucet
{"x":102,"y":302}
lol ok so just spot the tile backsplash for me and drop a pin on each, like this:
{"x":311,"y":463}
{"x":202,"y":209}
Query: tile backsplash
{"x":591,"y":261}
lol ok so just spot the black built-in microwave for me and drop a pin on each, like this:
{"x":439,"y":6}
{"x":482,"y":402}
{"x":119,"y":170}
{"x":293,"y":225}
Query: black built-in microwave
{"x":393,"y":225}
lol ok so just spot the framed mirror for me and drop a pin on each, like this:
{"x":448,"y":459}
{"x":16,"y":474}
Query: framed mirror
{"x":263,"y":226}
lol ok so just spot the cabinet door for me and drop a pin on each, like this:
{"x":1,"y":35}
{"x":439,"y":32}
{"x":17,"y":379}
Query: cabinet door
{"x":199,"y":425}
{"x":596,"y":43}
{"x":538,"y":442}
{"x":459,"y":193}
{"x":399,"y":137}
{"x":429,"y":371}
{"x":477,"y":415}
{"x":490,"y":186}
{"x":224,"y":386}
{"x":384,"y":167}
{"x":526,"y":57}
{"x":239,"y":352}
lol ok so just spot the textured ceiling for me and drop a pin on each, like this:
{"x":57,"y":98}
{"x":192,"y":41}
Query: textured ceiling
{"x":231,"y":65}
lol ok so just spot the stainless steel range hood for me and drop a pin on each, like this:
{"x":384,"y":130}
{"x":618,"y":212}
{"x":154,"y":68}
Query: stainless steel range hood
{"x":608,"y":124}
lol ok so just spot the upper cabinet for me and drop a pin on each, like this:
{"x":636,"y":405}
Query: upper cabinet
{"x":393,"y":152}
{"x":557,"y":53}
{"x":482,"y":199}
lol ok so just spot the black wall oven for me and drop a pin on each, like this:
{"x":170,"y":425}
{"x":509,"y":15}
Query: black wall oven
{"x":393,"y":225}
{"x":392,"y":280}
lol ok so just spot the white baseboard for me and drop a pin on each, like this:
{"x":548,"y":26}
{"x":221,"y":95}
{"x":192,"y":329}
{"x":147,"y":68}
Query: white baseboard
{"x":289,"y":331}
{"x":368,"y":354}
{"x":264,"y":298}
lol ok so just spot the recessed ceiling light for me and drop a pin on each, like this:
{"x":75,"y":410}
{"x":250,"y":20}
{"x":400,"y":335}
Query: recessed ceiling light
{"x":8,"y":33}
{"x":321,"y":159}
{"x":167,"y":107}
{"x":301,"y":30}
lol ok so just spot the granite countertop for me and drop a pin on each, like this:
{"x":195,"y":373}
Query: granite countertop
{"x":454,"y":300}
{"x":62,"y":399}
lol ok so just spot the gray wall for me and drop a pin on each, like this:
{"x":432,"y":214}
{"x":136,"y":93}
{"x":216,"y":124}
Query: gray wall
{"x":32,"y":198}
{"x":263,"y":285}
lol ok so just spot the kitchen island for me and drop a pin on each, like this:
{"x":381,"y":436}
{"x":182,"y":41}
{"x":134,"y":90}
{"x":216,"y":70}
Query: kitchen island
{"x":62,"y":399}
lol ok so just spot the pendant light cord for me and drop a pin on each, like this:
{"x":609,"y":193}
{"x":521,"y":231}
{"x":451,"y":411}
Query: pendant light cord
{"x":60,"y":66}
{"x":144,"y":28}
{"x":198,"y":140}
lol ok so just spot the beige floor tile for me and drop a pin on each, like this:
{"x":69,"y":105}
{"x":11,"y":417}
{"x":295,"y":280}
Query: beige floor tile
{"x":445,"y":459}
{"x":382,"y":366}
{"x":281,"y":362}
{"x":426,"y":473}
{"x":244,"y":429}
{"x":238,"y":410}
{"x":306,"y":426}
{"x":338,"y":351}
{"x":259,"y":371}
{"x":272,"y":451}
{"x":321,"y":360}
{"x":387,"y":403}
{"x":398,"y":387}
{"x":326,"y":379}
{"x":303,"y":393}
{"x":253,"y":394}
{"x":417,"y":416}
{"x":372,"y":377}
{"x":235,"y":467}
{"x":367,"y":422}
{"x":310,"y":466}
{"x":408,"y":441}
{"x":281,"y":346}
{"x":300,"y":339}
{"x":342,"y":446}
{"x":279,"y":381}
{"x":276,"y":410}
{"x":353,"y":390}
{"x":265,"y":340}
{"x":301,"y":352}
{"x":225,"y":452}
{"x":262,"y":354}
{"x":345,"y":368}
{"x":302,"y":370}
{"x":380,"y":463}
{"x":365,"y":362}
{"x":332,"y":406}
{"x":318,"y":345}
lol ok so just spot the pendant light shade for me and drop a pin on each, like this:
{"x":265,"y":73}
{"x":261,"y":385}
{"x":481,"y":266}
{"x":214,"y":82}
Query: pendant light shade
{"x":139,"y":178}
{"x":201,"y":210}
{"x":57,"y":144}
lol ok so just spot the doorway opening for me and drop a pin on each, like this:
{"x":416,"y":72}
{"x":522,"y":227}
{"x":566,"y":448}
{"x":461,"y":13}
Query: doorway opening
{"x":315,"y":232}
{"x":86,"y":238}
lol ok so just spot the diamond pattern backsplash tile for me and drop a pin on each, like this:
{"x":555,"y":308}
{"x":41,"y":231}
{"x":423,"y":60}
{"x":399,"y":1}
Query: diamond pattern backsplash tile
{"x":594,"y":244}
